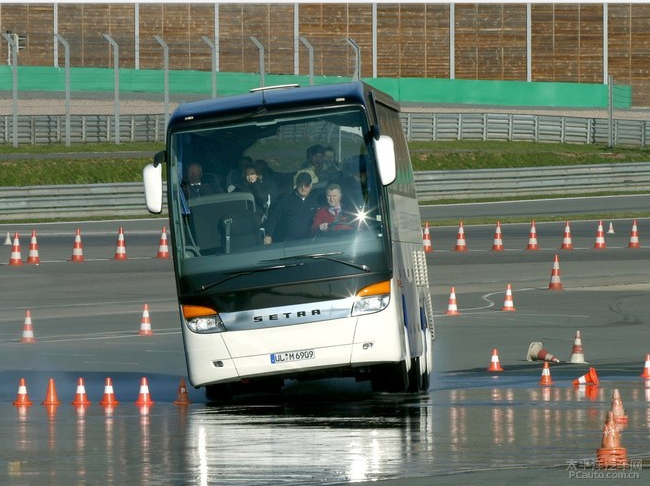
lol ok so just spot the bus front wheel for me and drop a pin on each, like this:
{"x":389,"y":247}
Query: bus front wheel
{"x":392,"y":378}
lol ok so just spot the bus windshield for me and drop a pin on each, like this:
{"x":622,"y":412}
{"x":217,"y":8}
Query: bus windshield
{"x":268,"y":199}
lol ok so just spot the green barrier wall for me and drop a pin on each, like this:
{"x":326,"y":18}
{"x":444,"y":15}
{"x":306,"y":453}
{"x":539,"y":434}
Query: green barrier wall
{"x":415,"y":90}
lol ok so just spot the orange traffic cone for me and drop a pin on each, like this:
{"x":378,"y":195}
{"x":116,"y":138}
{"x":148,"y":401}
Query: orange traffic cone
{"x":16,"y":258}
{"x":452,"y":308}
{"x":80,"y":398}
{"x":589,"y":378}
{"x":22,"y":399}
{"x":32,"y":256}
{"x":646,"y":368}
{"x":163,"y":247}
{"x":567,"y":244}
{"x":617,"y":408}
{"x":77,"y":248}
{"x":532,"y":238}
{"x":145,"y":324}
{"x":611,"y":455}
{"x":461,"y":245}
{"x":577,"y":353}
{"x":556,"y":282}
{"x":634,"y":236}
{"x":120,"y":250}
{"x":494,"y":362}
{"x":600,"y":237}
{"x":144,"y":398}
{"x":536,"y":352}
{"x":546,"y":379}
{"x":28,"y":330}
{"x":426,"y":238}
{"x":108,"y":399}
{"x":497,"y":245}
{"x":50,"y":394}
{"x":182,"y":398}
{"x":508,"y":303}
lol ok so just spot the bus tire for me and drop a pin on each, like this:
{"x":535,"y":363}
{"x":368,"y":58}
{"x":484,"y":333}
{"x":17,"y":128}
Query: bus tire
{"x":391,"y":378}
{"x":221,"y":393}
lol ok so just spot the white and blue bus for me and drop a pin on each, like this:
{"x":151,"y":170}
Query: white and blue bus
{"x":267,"y":293}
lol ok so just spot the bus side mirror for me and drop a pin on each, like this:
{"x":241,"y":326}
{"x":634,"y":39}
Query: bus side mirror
{"x":153,"y":187}
{"x":385,"y":153}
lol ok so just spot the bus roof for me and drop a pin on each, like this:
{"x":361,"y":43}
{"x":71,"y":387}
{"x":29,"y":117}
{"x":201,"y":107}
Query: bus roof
{"x":275,"y":98}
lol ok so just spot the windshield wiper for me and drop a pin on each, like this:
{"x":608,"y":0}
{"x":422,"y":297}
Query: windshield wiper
{"x":323,"y":256}
{"x":232,"y":275}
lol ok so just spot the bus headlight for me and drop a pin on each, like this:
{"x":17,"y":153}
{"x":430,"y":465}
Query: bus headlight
{"x":202,"y":320}
{"x":373,"y":298}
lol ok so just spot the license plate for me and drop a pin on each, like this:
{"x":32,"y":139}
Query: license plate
{"x":292,"y":356}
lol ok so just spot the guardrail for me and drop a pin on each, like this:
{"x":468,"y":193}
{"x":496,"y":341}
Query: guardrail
{"x":127,"y":200}
{"x":423,"y":127}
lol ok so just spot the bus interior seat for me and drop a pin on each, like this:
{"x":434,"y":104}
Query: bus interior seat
{"x":240,"y":230}
{"x":207,"y":212}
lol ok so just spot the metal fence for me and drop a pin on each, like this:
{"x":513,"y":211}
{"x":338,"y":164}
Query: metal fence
{"x":98,"y":200}
{"x":422,"y":127}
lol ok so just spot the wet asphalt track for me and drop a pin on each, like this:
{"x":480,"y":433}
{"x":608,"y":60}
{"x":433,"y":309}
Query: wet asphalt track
{"x":473,"y":426}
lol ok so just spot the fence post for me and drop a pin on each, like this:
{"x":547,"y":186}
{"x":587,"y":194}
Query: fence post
{"x":165,"y":74}
{"x":116,"y":68}
{"x":260,"y":47}
{"x":66,"y":48}
{"x":310,"y":50}
{"x":14,"y":83}
{"x":610,"y":111}
{"x":213,"y":56}
{"x":357,"y":69}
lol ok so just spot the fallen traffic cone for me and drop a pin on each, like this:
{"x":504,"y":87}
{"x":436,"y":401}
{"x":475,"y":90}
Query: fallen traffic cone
{"x":536,"y":352}
{"x":546,"y":380}
{"x":8,"y":239}
{"x":508,"y":303}
{"x":617,"y":408}
{"x":182,"y":398}
{"x":567,"y":244}
{"x":108,"y":399}
{"x":556,"y":282}
{"x":120,"y":250}
{"x":494,"y":362}
{"x":452,"y":308}
{"x":50,"y":395}
{"x":646,"y":368}
{"x":610,"y":231}
{"x":426,"y":238}
{"x":600,"y":237}
{"x":610,"y":454}
{"x":80,"y":398}
{"x":22,"y":399}
{"x":16,"y":259}
{"x":634,"y":236}
{"x":77,"y":248}
{"x":589,"y":378}
{"x":145,"y":324}
{"x":28,"y":330}
{"x":32,"y":256}
{"x":497,"y":245}
{"x":461,"y":245}
{"x":577,"y":354}
{"x":532,"y":238}
{"x":144,"y":398}
{"x":163,"y":247}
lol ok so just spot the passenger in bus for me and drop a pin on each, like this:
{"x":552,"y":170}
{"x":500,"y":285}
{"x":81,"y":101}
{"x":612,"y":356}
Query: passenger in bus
{"x":263,"y":190}
{"x":330,"y":164}
{"x":332,"y":217}
{"x":321,"y":169}
{"x":353,"y":181}
{"x":291,"y":217}
{"x":195,"y":184}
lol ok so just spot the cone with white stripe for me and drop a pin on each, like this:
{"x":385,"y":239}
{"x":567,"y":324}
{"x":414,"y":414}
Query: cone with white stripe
{"x":80,"y":398}
{"x":610,"y":231}
{"x":120,"y":250}
{"x":426,"y":238}
{"x":16,"y":258}
{"x":546,"y":379}
{"x":567,"y":243}
{"x":600,"y":237}
{"x":32,"y":256}
{"x":634,"y":236}
{"x":144,"y":398}
{"x":536,"y":352}
{"x":508,"y":303}
{"x":163,"y":247}
{"x":646,"y":368}
{"x":495,"y":365}
{"x":22,"y":399}
{"x":589,"y":378}
{"x":108,"y":400}
{"x":461,"y":245}
{"x":556,"y":282}
{"x":8,"y":239}
{"x":145,"y":325}
{"x":577,"y":353}
{"x":532,"y":238}
{"x":497,"y":245}
{"x":28,"y":330}
{"x":77,"y":248}
{"x":452,"y":308}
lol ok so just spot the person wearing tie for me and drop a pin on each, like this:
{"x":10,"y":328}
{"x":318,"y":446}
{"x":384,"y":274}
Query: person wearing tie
{"x":331,"y":217}
{"x":194,"y":186}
